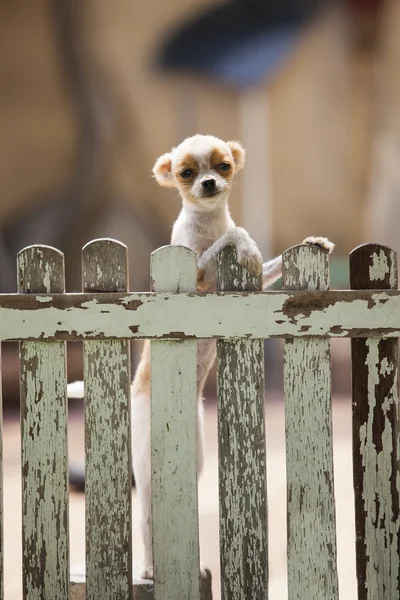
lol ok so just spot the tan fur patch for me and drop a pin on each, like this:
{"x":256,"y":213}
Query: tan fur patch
{"x":218,"y":157}
{"x":187,"y":162}
{"x":238,"y":154}
{"x":141,"y":383}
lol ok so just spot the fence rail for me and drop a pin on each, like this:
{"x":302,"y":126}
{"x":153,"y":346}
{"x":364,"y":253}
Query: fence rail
{"x":259,"y":315}
{"x":305,"y":314}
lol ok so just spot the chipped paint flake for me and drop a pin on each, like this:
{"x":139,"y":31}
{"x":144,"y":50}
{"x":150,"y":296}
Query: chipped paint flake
{"x":44,"y":299}
{"x":379,"y":267}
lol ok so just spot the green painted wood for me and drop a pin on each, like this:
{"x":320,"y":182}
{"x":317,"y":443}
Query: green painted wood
{"x":173,"y":442}
{"x":241,"y":452}
{"x":375,"y":392}
{"x":142,"y":589}
{"x":108,"y":482}
{"x":218,"y":315}
{"x":1,"y":492}
{"x":45,"y":536}
{"x":312,"y":571}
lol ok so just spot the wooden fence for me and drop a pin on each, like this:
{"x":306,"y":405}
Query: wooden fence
{"x":306,"y":314}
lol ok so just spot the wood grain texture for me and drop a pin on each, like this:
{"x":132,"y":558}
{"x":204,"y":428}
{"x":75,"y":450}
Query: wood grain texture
{"x":219,"y":315}
{"x":1,"y":493}
{"x":108,"y":482}
{"x":241,"y":452}
{"x":173,"y":442}
{"x":45,"y":535}
{"x":312,"y":571}
{"x":142,"y":589}
{"x":376,"y":438}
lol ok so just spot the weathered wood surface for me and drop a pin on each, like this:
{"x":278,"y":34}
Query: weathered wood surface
{"x":174,"y":442}
{"x":108,"y":482}
{"x":45,"y":535}
{"x":376,"y":438}
{"x":312,"y":571}
{"x":141,"y":589}
{"x":1,"y":493}
{"x":241,"y":452}
{"x":152,"y":316}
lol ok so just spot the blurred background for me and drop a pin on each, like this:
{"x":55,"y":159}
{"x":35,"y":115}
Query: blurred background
{"x":93,"y":91}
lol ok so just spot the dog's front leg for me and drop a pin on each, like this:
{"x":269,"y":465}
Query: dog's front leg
{"x":248,"y":254}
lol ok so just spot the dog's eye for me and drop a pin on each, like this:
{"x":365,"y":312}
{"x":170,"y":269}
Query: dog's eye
{"x":224,"y":167}
{"x":186,"y":173}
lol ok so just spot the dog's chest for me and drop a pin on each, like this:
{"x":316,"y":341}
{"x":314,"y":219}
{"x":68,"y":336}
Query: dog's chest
{"x":204,"y":234}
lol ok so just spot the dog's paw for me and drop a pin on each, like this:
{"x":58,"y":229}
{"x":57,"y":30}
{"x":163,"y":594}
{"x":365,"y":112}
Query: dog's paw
{"x":250,"y":257}
{"x":321,"y":242}
{"x":147,"y":573}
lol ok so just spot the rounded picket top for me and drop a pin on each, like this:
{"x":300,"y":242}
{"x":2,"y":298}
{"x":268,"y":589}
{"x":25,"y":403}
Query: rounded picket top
{"x":373,"y":266}
{"x":173,"y":269}
{"x":40,"y":270}
{"x":105,"y":266}
{"x":305,"y":267}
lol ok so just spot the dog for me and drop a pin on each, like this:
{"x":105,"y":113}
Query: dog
{"x":202,"y":169}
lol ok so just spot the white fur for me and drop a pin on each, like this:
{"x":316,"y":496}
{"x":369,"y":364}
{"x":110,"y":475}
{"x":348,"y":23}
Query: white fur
{"x":75,"y":389}
{"x":205,"y":226}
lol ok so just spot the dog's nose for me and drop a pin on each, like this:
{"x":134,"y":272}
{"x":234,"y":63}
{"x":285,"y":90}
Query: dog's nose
{"x":208,"y":184}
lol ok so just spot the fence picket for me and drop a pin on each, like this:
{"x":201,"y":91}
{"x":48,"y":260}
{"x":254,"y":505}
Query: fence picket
{"x":305,"y":321}
{"x":1,"y":491}
{"x":173,"y":442}
{"x":242,"y":454}
{"x":108,"y":483}
{"x":376,"y":438}
{"x":312,"y":569}
{"x":45,"y":536}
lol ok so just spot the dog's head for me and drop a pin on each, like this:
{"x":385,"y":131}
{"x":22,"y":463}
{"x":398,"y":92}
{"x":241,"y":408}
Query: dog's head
{"x":201,"y":168}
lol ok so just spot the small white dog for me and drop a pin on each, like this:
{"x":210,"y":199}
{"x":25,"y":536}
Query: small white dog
{"x":202,"y":168}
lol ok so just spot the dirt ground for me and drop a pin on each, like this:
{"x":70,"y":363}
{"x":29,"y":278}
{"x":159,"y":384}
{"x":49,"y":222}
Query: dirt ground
{"x":208,"y":500}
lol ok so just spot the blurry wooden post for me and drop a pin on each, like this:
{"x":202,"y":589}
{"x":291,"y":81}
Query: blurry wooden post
{"x":312,"y":571}
{"x":256,"y":192}
{"x":383,"y":208}
{"x":241,"y":451}
{"x":376,"y":437}
{"x":256,"y":195}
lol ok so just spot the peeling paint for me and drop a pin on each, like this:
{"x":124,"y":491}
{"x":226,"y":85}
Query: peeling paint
{"x":44,"y":465}
{"x":44,"y":299}
{"x":381,"y":530}
{"x":108,"y":469}
{"x":379,"y":267}
{"x":308,"y":315}
{"x":312,"y":569}
{"x":107,"y":435}
{"x":242,"y":456}
{"x":148,"y":315}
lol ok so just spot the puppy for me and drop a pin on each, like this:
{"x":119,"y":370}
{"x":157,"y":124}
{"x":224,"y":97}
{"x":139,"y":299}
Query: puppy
{"x":202,"y":169}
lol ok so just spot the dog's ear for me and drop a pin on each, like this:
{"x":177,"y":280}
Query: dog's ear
{"x":238,"y":153}
{"x":162,"y":170}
